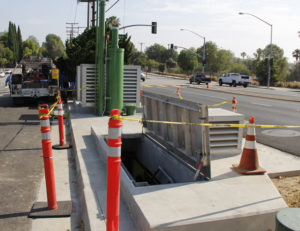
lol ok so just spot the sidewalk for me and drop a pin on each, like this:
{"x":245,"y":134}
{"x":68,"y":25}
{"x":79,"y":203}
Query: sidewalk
{"x":66,"y":187}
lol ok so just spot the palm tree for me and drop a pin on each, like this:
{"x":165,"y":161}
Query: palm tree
{"x":296,"y":54}
{"x":243,"y":54}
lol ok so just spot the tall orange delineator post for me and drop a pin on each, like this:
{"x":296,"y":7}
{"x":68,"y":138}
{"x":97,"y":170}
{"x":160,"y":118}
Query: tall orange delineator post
{"x":234,"y":104}
{"x":113,"y":171}
{"x":47,"y":155}
{"x":55,"y":209}
{"x":60,"y":117}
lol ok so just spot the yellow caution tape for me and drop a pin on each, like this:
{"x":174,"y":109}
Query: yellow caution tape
{"x":50,"y":109}
{"x":80,"y":89}
{"x":218,"y":104}
{"x":208,"y":124}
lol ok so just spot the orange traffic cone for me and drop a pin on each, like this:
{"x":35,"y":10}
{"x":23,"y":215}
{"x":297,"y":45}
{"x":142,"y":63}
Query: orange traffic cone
{"x":249,"y":160}
{"x":207,"y":85}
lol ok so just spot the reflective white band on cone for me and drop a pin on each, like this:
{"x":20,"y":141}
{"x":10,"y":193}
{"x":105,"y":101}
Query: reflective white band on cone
{"x":114,"y":151}
{"x":250,"y":144}
{"x":114,"y":133}
{"x":59,"y":106}
{"x":46,"y":136}
{"x":60,"y":112}
{"x":251,"y":131}
{"x":45,"y":123}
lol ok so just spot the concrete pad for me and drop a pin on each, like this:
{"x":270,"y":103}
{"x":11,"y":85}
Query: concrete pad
{"x":228,"y":202}
{"x":91,"y":173}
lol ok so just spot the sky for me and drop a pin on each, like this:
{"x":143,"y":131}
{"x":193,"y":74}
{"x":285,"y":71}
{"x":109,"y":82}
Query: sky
{"x":216,"y":20}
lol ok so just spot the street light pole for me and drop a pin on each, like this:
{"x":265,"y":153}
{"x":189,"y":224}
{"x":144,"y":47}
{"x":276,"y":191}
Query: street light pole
{"x":271,"y":53}
{"x":203,"y":56}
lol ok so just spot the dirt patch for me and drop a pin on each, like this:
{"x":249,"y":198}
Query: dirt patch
{"x":289,"y":188}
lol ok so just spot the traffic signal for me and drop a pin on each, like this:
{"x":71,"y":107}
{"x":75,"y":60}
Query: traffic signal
{"x":204,"y":62}
{"x":154,"y":28}
{"x":172,"y":46}
{"x":271,"y":62}
{"x":266,"y":61}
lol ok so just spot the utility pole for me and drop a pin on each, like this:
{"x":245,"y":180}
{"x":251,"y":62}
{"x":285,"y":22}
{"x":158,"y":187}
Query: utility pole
{"x":72,"y":30}
{"x":142,"y":46}
{"x":93,"y":14}
{"x":88,"y":15}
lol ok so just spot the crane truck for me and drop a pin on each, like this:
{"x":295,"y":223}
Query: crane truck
{"x":38,"y":80}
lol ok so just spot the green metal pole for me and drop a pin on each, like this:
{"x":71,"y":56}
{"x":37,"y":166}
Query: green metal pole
{"x":97,"y":77}
{"x":115,"y":67}
{"x":101,"y":41}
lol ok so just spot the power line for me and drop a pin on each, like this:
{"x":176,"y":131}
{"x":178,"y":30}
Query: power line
{"x":112,"y":6}
{"x":72,"y":30}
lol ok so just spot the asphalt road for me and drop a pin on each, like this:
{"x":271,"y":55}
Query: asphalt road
{"x":21,"y":165}
{"x":265,"y":111}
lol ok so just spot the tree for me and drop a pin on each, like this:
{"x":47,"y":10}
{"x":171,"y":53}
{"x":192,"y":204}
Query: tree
{"x":295,"y":73}
{"x":211,"y":57}
{"x":187,"y":60}
{"x":128,"y":47}
{"x":258,"y":54}
{"x":157,"y":53}
{"x":296,"y":54}
{"x":278,"y":69}
{"x":138,"y":58}
{"x":6,"y":55}
{"x":13,"y":40}
{"x":152,"y":64}
{"x":161,"y":67}
{"x":79,"y":50}
{"x":30,"y":47}
{"x":243,"y":54}
{"x":171,"y":63}
{"x":19,"y":44}
{"x":238,"y":68}
{"x":54,"y":47}
{"x":223,"y":61}
{"x":4,"y":39}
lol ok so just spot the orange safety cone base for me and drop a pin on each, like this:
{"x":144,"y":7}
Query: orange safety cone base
{"x":249,"y":163}
{"x":259,"y":170}
{"x":65,"y":146}
{"x":40,"y":210}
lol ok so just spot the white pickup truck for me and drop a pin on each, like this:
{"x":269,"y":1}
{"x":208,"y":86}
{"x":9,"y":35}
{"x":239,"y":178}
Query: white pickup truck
{"x":234,"y":79}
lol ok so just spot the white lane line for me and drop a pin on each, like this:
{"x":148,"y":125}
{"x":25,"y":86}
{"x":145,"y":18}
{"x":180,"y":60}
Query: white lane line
{"x":261,"y":104}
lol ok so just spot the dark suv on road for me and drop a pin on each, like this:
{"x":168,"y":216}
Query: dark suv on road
{"x":199,"y":78}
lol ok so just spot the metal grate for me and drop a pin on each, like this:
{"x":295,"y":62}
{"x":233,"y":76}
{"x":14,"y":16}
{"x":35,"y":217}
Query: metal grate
{"x":224,"y":140}
{"x":86,"y":80}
